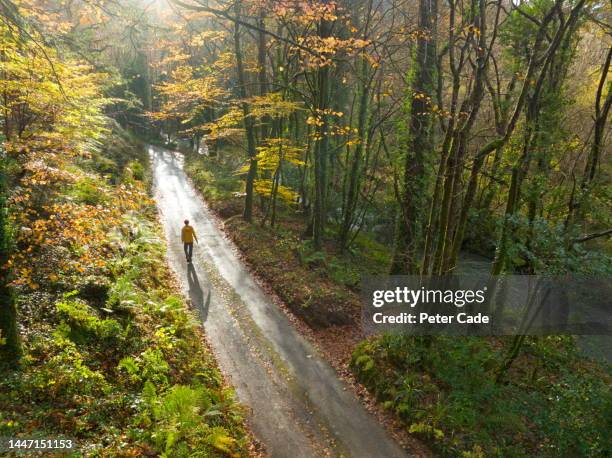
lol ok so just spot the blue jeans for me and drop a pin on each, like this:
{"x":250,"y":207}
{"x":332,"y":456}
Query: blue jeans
{"x":188,"y":247}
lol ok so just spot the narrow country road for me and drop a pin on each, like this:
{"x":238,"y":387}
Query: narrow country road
{"x":299,"y":407}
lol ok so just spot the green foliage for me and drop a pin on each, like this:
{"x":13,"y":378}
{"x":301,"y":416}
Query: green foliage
{"x":104,"y":166}
{"x":136,"y":171}
{"x":154,"y":366}
{"x":88,"y":191}
{"x":481,"y":232}
{"x":122,"y":158}
{"x":122,"y":295}
{"x":342,"y":270}
{"x":213,"y":177}
{"x":370,"y":254}
{"x":310,"y":256}
{"x":179,"y":429}
{"x":518,"y":31}
{"x":579,"y":418}
{"x":131,"y":367}
{"x":547,"y":248}
{"x":81,"y":324}
{"x":62,"y":377}
{"x":343,"y":273}
{"x":444,"y":390}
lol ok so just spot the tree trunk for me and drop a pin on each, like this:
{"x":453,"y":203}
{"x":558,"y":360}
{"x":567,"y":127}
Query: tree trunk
{"x":410,"y":217}
{"x":261,"y":68}
{"x":602,"y":112}
{"x":321,"y":147}
{"x":519,"y":171}
{"x":354,"y":176}
{"x":10,"y":346}
{"x":458,"y":213}
{"x":248,"y":122}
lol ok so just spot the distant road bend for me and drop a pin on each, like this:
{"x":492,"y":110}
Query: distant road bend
{"x":299,"y":407}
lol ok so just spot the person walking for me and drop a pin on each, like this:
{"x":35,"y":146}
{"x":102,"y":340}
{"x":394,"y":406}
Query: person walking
{"x":187,"y":236}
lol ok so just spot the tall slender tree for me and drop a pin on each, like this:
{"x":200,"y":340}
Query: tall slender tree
{"x":418,"y":146}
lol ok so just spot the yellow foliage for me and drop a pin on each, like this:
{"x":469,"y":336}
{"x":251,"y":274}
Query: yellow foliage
{"x":53,"y":111}
{"x":264,"y":187}
{"x":186,"y":94}
{"x":227,"y":125}
{"x":271,"y":157}
{"x":64,"y":236}
{"x":41,"y":91}
{"x":272,"y":105}
{"x":274,"y":152}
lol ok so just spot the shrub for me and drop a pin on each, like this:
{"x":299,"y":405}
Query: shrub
{"x":578,"y":418}
{"x":104,"y":165}
{"x":444,"y":390}
{"x":81,"y":325}
{"x":135,"y":170}
{"x":63,"y":375}
{"x":89,"y":192}
{"x":179,"y":428}
{"x":154,"y":367}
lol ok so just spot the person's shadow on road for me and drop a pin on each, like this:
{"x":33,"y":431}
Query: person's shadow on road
{"x":196,"y":294}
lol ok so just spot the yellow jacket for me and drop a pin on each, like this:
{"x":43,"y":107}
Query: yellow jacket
{"x":188,"y":234}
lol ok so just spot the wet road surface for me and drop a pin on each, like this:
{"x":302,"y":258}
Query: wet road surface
{"x":298,"y":406}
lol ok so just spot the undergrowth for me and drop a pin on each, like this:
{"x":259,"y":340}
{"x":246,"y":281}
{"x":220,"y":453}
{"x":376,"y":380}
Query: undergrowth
{"x":553,"y":402}
{"x":113,"y":358}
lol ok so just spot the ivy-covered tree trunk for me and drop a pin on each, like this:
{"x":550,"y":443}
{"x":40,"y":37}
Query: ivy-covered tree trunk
{"x":418,"y":145}
{"x":10,"y":348}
